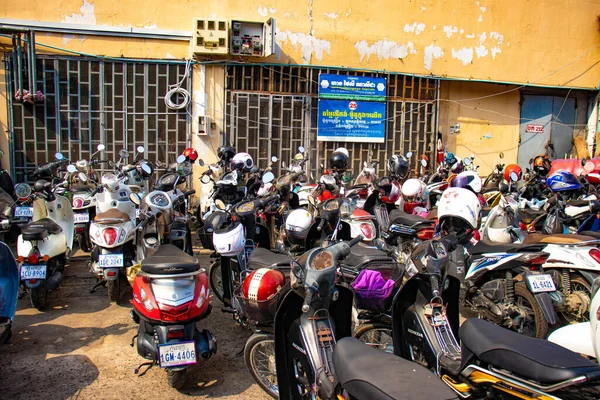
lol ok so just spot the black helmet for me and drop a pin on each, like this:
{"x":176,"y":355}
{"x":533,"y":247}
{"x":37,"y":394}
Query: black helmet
{"x":397,"y":165}
{"x":225,"y":153}
{"x":542,"y":164}
{"x":339,"y":159}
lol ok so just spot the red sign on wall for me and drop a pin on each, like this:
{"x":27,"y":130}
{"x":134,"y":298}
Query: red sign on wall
{"x":531,"y":128}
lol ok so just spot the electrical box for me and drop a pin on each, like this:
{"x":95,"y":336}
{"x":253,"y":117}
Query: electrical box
{"x":255,"y":39}
{"x":204,"y":125}
{"x":211,"y":36}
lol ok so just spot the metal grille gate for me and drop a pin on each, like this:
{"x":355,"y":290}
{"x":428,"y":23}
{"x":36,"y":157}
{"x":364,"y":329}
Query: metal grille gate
{"x":273,"y":110}
{"x":89,"y":102}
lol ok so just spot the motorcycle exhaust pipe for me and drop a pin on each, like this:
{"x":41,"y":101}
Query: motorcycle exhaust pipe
{"x":55,"y":280}
{"x":206,"y":344}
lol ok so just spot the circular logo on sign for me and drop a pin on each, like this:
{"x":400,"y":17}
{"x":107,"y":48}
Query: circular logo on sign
{"x":380,"y":87}
{"x":352,"y":105}
{"x":324,"y":83}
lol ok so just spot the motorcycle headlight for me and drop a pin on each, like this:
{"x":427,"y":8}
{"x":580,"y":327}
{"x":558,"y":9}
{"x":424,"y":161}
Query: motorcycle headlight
{"x":332,"y":205}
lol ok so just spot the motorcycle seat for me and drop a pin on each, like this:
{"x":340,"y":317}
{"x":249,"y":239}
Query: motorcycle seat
{"x":113,"y":214}
{"x":491,"y":247}
{"x":559,"y":238}
{"x":169,"y":259}
{"x":595,"y":235}
{"x":531,"y":358}
{"x":81,"y":188}
{"x":263,"y":258}
{"x":402,"y":218}
{"x":361,"y":255}
{"x":368,"y":373}
{"x":40,"y":229}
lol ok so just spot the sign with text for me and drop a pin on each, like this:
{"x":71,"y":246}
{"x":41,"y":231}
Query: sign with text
{"x":351,"y":121}
{"x":333,"y":86}
{"x":532,"y":128}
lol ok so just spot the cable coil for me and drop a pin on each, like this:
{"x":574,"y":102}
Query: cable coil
{"x":176,"y":89}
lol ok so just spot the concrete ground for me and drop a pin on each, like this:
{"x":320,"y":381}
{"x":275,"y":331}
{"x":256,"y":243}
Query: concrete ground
{"x":80,"y":348}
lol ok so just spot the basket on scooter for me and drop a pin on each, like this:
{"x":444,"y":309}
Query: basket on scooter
{"x":374,"y":288}
{"x":257,"y":312}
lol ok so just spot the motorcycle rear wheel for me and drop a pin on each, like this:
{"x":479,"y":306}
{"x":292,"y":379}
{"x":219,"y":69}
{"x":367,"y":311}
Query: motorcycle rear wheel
{"x":540,"y":328}
{"x":259,"y":354}
{"x":377,"y":335}
{"x":114,"y":289}
{"x":176,"y":378}
{"x":39,"y":296}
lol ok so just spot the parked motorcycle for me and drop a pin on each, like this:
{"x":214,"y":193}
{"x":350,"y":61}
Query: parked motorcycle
{"x":170,"y":295}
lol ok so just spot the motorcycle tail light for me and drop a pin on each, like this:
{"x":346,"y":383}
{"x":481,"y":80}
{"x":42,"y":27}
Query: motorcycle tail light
{"x":522,"y":226}
{"x":143,"y":299}
{"x":175,"y":334}
{"x":77,"y":203}
{"x":426,"y":234}
{"x":33,"y":258}
{"x":110,"y":236}
{"x":32,"y":281}
{"x":174,"y":313}
{"x":534,"y":259}
{"x":201,"y":296}
{"x":595,"y":254}
{"x":20,"y":259}
{"x":367,"y":231}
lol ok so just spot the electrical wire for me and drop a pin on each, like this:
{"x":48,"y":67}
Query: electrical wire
{"x":176,"y":89}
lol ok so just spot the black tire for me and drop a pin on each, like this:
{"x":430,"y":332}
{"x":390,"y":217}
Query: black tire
{"x":176,"y":378}
{"x":189,"y":249}
{"x":114,"y":289}
{"x":257,"y":353}
{"x":540,"y":327}
{"x":39,"y":296}
{"x":214,"y":279}
{"x":377,"y":335}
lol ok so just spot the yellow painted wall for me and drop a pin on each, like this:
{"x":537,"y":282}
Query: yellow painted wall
{"x":4,"y":120}
{"x":487,"y":126}
{"x":545,"y":42}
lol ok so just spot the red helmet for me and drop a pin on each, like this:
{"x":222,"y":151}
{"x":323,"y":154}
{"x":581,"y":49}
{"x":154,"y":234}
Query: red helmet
{"x":190,"y":154}
{"x":512,"y":168}
{"x":390,"y":192}
{"x":262,"y":284}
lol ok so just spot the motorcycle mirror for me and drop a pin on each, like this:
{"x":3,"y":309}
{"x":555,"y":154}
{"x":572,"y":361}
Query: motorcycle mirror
{"x":22,"y":190}
{"x":82,"y":177}
{"x":146,"y":168}
{"x":297,"y":270}
{"x":180,"y":159}
{"x":220,"y":205}
{"x":530,"y":161}
{"x":201,"y":162}
{"x":135,"y":198}
{"x":140,"y":149}
{"x":205,"y":179}
{"x":514,"y":177}
{"x":423,"y":162}
{"x":123,"y":153}
{"x":274,"y":159}
{"x":301,"y":149}
{"x":71,"y":168}
{"x":283,"y":165}
{"x":59,"y":156}
{"x":589,"y":166}
{"x":501,"y":155}
{"x":100,"y":147}
{"x":409,"y":154}
{"x":268,"y":177}
{"x":467,"y":161}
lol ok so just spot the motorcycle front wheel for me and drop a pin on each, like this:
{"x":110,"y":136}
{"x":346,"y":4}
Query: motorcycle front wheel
{"x":377,"y":335}
{"x":534,"y":324}
{"x":259,"y":354}
{"x":216,"y":281}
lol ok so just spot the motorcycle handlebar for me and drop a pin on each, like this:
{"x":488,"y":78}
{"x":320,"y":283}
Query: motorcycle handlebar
{"x":189,"y":193}
{"x":310,"y":292}
{"x":434,"y":281}
{"x":356,"y":240}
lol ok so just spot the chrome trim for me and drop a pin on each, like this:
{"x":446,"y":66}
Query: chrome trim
{"x":550,"y":388}
{"x":154,"y":276}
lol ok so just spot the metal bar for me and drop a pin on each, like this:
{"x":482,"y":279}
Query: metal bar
{"x":145,"y":137}
{"x":19,"y":67}
{"x":10,"y":24}
{"x":57,"y":104}
{"x":33,"y":62}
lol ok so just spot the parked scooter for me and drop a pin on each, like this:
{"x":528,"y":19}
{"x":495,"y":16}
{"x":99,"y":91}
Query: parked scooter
{"x":45,"y":244}
{"x":170,"y":295}
{"x":9,"y":288}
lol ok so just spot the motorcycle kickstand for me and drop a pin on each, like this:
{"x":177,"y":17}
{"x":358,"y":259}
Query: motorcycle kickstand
{"x":133,"y":341}
{"x":97,"y":285}
{"x":149,"y":364}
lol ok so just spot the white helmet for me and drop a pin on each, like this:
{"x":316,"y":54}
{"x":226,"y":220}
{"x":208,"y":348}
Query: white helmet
{"x":498,"y":229}
{"x":242,"y":161}
{"x":412,"y":190}
{"x":459,"y":208}
{"x":297,"y":225}
{"x":342,"y":150}
{"x":229,"y":241}
{"x":468,"y":180}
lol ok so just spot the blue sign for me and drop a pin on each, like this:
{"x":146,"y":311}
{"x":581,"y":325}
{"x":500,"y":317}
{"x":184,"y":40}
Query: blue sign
{"x":333,"y":86}
{"x":351,"y":121}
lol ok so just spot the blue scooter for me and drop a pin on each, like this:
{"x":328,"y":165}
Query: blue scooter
{"x":9,"y":289}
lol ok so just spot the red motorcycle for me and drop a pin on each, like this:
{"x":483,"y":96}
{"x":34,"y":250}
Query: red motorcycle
{"x":170,"y":295}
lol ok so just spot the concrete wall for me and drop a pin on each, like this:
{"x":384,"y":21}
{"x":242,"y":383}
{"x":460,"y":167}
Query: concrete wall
{"x":538,"y":41}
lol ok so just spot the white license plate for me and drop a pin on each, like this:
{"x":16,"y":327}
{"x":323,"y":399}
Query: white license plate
{"x":79,"y":218}
{"x":178,"y":354}
{"x":24,"y":212}
{"x":110,"y":260}
{"x":541,"y":283}
{"x":33,"y":271}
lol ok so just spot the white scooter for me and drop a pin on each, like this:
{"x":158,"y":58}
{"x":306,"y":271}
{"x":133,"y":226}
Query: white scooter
{"x":45,"y":244}
{"x":584,"y":337}
{"x":113,"y":230}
